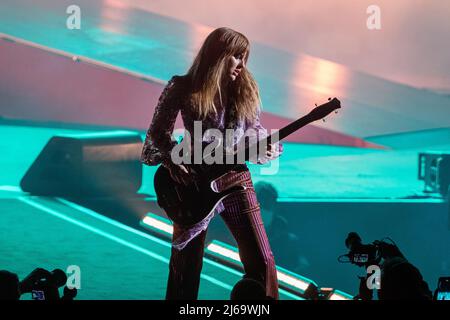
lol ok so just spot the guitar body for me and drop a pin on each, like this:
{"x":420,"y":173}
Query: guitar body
{"x":187,"y":205}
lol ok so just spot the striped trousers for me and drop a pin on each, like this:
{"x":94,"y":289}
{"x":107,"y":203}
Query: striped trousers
{"x":243,"y":218}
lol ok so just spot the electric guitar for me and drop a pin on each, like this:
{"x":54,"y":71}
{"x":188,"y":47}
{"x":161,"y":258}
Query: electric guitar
{"x":189,"y":204}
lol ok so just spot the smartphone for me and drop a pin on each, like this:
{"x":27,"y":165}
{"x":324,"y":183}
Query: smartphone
{"x":443,"y":289}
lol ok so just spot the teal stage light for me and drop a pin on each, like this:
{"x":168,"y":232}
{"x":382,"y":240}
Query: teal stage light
{"x":288,"y":280}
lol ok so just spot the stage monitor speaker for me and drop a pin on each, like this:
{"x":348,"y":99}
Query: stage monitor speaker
{"x":94,"y":164}
{"x":434,"y":170}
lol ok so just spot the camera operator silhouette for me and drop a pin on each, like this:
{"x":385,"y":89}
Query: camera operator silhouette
{"x":41,"y":283}
{"x":400,"y":280}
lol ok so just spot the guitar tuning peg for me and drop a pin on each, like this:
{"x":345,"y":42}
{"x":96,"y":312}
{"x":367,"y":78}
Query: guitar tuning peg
{"x":329,"y":99}
{"x":323,"y":120}
{"x":315,"y":104}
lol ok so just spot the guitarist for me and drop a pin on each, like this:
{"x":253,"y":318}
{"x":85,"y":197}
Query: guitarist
{"x":219,"y":91}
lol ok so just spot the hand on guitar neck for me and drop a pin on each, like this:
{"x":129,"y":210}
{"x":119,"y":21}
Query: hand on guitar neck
{"x":319,"y":112}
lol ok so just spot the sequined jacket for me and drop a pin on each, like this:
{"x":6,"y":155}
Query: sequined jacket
{"x":175,"y":98}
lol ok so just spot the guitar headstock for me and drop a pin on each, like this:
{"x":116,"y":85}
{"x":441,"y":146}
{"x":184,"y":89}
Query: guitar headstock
{"x":325,"y":109}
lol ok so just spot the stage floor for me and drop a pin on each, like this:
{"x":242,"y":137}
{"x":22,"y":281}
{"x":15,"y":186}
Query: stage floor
{"x":115,"y":261}
{"x":40,"y":231}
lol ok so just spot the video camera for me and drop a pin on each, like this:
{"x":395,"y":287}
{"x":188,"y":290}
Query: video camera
{"x":361,"y":254}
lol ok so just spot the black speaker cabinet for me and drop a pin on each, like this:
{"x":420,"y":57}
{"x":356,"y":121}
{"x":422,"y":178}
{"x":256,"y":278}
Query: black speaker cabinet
{"x":94,"y":164}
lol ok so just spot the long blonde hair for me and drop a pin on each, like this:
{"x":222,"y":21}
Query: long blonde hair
{"x":208,"y":69}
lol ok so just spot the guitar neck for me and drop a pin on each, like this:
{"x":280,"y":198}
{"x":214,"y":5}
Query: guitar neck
{"x":291,"y":128}
{"x":283,"y":132}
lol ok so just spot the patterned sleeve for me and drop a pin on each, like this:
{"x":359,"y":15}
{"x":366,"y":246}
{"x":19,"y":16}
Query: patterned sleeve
{"x":158,"y":141}
{"x":262,"y":133}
